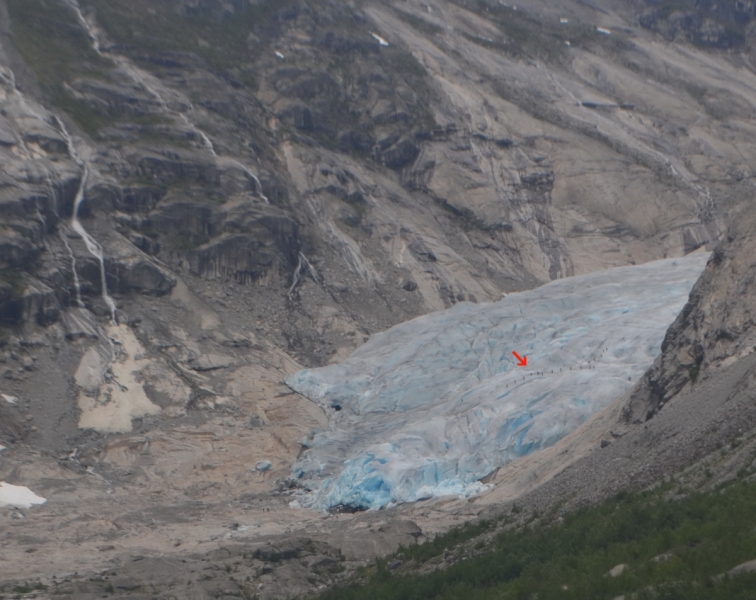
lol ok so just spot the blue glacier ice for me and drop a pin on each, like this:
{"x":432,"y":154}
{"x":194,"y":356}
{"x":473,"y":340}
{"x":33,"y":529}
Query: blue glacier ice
{"x":433,"y":405}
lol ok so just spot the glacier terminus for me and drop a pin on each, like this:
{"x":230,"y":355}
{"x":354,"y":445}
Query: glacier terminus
{"x":433,"y":405}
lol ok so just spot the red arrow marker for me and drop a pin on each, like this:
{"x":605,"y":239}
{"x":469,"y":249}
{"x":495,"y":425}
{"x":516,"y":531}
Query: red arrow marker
{"x":523,"y":359}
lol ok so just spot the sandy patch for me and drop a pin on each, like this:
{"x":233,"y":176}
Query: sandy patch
{"x":116,"y":403}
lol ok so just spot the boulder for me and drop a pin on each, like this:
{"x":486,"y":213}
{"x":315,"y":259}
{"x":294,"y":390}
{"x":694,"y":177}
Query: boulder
{"x":618,"y":570}
{"x":211,"y":362}
{"x":39,"y":303}
{"x":145,"y":277}
{"x":401,"y":154}
{"x":746,"y":567}
{"x":92,"y":366}
{"x":79,"y":323}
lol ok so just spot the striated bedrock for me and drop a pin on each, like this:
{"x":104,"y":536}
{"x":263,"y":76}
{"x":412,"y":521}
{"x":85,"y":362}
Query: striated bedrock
{"x":715,"y":329}
{"x":431,"y":406}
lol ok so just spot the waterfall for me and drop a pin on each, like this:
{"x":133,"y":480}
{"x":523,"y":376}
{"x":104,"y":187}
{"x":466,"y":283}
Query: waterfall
{"x":92,"y":246}
{"x":251,"y":175}
{"x":77,"y":283}
{"x":259,"y":189}
{"x":8,"y":78}
{"x":142,"y":79}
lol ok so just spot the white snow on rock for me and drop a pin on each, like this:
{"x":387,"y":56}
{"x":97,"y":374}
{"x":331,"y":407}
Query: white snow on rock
{"x":18,"y":496}
{"x":604,"y":30}
{"x":380,"y":40}
{"x":433,"y":405}
{"x":9,"y":399}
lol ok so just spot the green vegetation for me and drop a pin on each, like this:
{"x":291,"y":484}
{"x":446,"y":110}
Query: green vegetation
{"x":156,"y":27}
{"x":673,"y":549}
{"x":187,"y":240}
{"x":15,"y":278}
{"x":54,"y":45}
{"x":530,"y":35}
{"x":27,"y":588}
{"x":735,"y":29}
{"x":52,"y":41}
{"x":525,"y":35}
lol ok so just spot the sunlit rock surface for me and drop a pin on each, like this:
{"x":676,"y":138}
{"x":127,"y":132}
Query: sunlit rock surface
{"x":431,"y":406}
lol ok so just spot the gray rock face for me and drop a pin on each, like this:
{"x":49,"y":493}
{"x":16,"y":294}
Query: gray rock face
{"x":211,"y":362}
{"x":169,"y":165}
{"x":28,"y":300}
{"x":715,"y":328}
{"x":79,"y":323}
{"x":145,"y":277}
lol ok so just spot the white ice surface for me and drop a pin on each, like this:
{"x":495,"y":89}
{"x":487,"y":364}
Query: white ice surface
{"x":432,"y":405}
{"x":18,"y":496}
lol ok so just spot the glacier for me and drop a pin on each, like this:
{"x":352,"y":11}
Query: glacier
{"x":431,"y":406}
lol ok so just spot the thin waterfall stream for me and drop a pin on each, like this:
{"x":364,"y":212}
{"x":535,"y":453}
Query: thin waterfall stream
{"x":92,"y":246}
{"x":141,"y":78}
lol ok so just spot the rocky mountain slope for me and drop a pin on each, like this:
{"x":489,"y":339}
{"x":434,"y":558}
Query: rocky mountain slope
{"x":693,"y":410}
{"x":197,"y":198}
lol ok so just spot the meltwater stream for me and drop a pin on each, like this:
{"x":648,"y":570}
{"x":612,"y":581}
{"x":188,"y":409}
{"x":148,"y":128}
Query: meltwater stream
{"x":433,"y":405}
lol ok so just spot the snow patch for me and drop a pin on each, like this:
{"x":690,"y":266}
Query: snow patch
{"x":604,"y":31}
{"x":18,"y":496}
{"x":433,"y":405}
{"x":9,"y":399}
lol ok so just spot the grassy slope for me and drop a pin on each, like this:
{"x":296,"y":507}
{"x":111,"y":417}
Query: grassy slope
{"x":52,"y":42}
{"x":699,"y":538}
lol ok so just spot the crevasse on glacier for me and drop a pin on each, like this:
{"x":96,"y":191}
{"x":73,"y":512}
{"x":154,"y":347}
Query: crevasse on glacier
{"x":432,"y":405}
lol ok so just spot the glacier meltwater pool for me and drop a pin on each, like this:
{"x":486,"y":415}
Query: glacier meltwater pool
{"x":433,"y":405}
